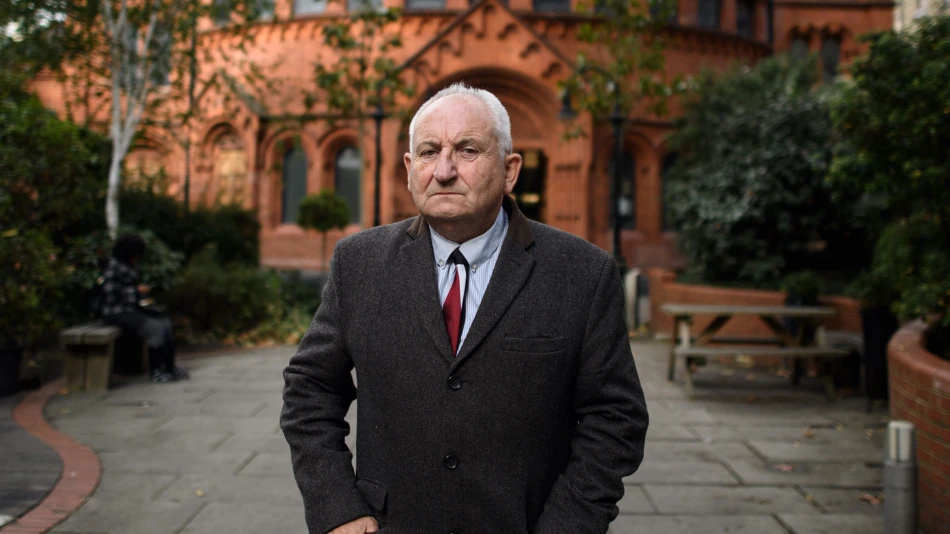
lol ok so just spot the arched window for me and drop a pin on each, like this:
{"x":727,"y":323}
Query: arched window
{"x":294,"y":183}
{"x":347,"y":176}
{"x":627,"y":204}
{"x":668,"y":163}
{"x":309,"y":7}
{"x":230,"y":170}
{"x":708,"y":15}
{"x":221,"y":10}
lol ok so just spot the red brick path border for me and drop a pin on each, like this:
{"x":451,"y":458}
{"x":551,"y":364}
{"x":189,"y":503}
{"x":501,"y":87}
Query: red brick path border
{"x":81,"y":467}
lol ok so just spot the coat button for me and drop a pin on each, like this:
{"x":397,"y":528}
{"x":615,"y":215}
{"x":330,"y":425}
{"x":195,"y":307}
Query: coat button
{"x":450,"y":462}
{"x":455,"y":383}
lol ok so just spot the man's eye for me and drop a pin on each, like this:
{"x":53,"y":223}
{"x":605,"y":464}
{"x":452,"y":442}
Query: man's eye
{"x":428,"y":152}
{"x":469,"y":151}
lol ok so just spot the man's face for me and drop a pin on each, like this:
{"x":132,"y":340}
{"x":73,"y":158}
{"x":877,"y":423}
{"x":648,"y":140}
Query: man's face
{"x":457,"y":171}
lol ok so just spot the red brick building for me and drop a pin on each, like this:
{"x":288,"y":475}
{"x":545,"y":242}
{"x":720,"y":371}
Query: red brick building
{"x":517,"y":49}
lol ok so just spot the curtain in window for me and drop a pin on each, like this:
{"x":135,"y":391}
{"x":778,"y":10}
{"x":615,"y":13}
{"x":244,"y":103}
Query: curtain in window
{"x":347,"y":177}
{"x":294,"y":184}
{"x":358,"y":5}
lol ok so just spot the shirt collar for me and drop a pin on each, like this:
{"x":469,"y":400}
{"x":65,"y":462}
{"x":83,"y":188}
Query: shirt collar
{"x":476,"y":250}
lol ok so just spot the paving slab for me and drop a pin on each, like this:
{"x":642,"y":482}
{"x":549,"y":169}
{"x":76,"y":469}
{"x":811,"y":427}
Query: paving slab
{"x":671,"y":451}
{"x":786,"y":434}
{"x":248,"y":519}
{"x":733,"y":524}
{"x":170,"y":462}
{"x":845,"y":451}
{"x":255,"y":443}
{"x":635,"y":501}
{"x":140,"y":487}
{"x":833,"y":524}
{"x":846,"y":501}
{"x":120,"y":516}
{"x":270,"y":465}
{"x":233,"y":489}
{"x":713,"y":500}
{"x":682,"y":472}
{"x":847,"y":475}
{"x":667,"y":432}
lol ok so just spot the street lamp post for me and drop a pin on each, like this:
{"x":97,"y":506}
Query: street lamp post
{"x":378,"y":116}
{"x":617,"y":120}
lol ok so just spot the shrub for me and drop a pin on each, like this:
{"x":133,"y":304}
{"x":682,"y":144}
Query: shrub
{"x":31,"y":280}
{"x":323,"y":212}
{"x":224,"y":300}
{"x":747,"y":193}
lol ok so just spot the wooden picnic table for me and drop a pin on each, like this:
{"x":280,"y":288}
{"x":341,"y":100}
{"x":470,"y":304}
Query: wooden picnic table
{"x":784,"y":343}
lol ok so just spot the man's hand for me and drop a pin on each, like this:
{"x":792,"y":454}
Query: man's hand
{"x":357,"y":526}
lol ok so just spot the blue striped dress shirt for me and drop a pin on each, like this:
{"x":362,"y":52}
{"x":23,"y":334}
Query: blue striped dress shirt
{"x":481,"y":254}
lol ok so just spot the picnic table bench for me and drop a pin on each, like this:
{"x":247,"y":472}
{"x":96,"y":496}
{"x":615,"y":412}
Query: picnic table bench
{"x":784,"y":344}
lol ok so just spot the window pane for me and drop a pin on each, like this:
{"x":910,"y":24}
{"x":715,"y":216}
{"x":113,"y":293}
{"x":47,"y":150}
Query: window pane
{"x":628,"y":191}
{"x":659,"y":7}
{"x":221,"y":10}
{"x":830,"y":57}
{"x":552,"y":6}
{"x":425,"y":4}
{"x":799,"y":49}
{"x":709,"y":14}
{"x":745,"y":17}
{"x":358,"y":5}
{"x":309,"y":7}
{"x":161,"y":55}
{"x":347,"y":179}
{"x":295,"y":184}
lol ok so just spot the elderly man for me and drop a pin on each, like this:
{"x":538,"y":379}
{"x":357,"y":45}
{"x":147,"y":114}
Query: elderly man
{"x":497,"y":391}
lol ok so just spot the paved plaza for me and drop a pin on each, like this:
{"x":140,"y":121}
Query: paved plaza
{"x":751,"y":455}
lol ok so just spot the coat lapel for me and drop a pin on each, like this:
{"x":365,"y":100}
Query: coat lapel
{"x":417,"y":265}
{"x":510,"y":274}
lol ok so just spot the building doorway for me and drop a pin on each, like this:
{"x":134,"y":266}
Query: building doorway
{"x":529,"y":191}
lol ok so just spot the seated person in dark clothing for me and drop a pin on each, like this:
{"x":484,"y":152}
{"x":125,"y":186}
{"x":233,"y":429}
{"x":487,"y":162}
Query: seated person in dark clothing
{"x":120,"y":307}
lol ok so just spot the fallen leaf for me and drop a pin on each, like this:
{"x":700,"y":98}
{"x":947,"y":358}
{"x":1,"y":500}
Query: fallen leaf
{"x":871,"y":499}
{"x":839,"y":426}
{"x":809,"y":498}
{"x":199,"y":493}
{"x":751,"y":398}
{"x":785,"y":468}
{"x":809,"y":433}
{"x":750,"y":376}
{"x":745,"y":361}
{"x":728,"y":372}
{"x":796,"y":444}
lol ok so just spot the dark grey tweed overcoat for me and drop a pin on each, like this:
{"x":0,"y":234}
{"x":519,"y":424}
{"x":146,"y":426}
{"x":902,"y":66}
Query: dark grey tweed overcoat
{"x":531,"y":428}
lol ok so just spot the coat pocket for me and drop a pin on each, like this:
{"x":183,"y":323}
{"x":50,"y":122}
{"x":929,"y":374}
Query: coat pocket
{"x":533,"y":345}
{"x":373,"y":492}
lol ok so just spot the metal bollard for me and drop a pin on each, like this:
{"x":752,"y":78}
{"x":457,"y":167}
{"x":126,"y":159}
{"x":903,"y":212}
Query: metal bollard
{"x":900,"y":479}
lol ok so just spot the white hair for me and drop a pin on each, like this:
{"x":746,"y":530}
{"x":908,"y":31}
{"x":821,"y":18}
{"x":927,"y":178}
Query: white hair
{"x":500,"y":120}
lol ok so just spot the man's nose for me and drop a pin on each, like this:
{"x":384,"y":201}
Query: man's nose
{"x":445,"y":168}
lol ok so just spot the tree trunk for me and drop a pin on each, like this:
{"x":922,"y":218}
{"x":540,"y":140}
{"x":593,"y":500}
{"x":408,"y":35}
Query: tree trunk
{"x":187,"y":184}
{"x":112,"y":195}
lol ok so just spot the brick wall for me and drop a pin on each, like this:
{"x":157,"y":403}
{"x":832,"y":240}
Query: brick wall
{"x":664,"y":288}
{"x":920,"y":393}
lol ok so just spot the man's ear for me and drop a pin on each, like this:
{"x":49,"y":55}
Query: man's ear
{"x":407,"y":160}
{"x":512,"y":169}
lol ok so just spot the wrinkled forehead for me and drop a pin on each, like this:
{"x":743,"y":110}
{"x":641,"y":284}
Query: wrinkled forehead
{"x":454,"y":113}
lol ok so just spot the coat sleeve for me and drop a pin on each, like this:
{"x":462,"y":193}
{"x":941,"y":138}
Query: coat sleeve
{"x":318,"y":390}
{"x":611,"y":413}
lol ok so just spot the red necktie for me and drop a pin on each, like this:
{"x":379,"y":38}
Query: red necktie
{"x":453,"y":310}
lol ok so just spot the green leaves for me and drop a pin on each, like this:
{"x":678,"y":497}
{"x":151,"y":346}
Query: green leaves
{"x":323,"y":211}
{"x":747,"y":194}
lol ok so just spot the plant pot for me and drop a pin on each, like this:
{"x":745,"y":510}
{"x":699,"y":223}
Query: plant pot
{"x":10,"y":359}
{"x":877,"y":327}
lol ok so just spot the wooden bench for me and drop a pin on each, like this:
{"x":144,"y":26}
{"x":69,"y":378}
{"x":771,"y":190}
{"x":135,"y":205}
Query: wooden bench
{"x":782,"y":343}
{"x":822,"y":354}
{"x":88,"y":352}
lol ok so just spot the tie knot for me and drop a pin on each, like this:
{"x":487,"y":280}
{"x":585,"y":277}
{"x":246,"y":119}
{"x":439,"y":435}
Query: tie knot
{"x":458,"y":258}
